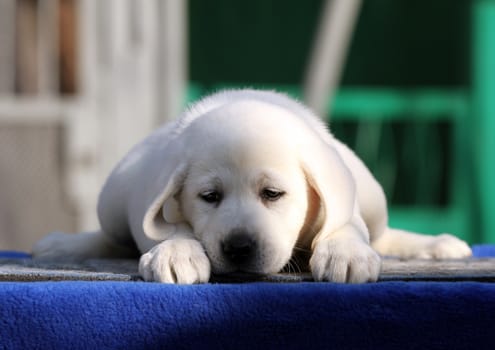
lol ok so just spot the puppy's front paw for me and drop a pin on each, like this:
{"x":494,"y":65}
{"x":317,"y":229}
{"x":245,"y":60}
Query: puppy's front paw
{"x":179,"y":260}
{"x":344,"y":260}
{"x":445,"y":246}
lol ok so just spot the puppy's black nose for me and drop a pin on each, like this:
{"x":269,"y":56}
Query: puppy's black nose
{"x":238,"y":248}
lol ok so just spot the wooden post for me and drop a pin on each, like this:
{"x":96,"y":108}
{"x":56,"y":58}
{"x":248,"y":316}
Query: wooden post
{"x":7,"y":47}
{"x":329,"y":53}
{"x":48,"y":63}
{"x":132,"y":78}
{"x":172,"y":66}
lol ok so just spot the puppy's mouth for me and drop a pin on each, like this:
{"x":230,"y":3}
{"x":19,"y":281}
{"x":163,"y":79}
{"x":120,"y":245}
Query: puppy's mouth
{"x":244,"y":268}
{"x":255,"y":268}
{"x":240,"y":254}
{"x":225,"y":267}
{"x":251,"y":267}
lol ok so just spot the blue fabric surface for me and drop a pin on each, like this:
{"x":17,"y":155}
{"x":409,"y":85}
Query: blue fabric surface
{"x":390,"y":315}
{"x":138,"y":315}
{"x":13,"y":254}
{"x":483,"y":250}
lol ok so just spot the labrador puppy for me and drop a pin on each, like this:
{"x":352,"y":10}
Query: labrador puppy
{"x":242,"y":181}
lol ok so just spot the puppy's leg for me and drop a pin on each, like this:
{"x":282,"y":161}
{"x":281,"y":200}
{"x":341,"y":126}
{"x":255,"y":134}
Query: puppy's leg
{"x":179,"y":259}
{"x":345,"y":256}
{"x":81,"y":246}
{"x":387,"y":241}
{"x":406,"y":244}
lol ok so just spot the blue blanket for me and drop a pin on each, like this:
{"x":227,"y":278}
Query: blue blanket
{"x":138,"y":315}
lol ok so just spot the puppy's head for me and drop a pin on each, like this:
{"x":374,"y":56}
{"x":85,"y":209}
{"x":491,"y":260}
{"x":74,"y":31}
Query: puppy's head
{"x":245,"y":189}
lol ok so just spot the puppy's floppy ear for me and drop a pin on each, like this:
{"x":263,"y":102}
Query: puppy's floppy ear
{"x":333,"y":182}
{"x":164,"y":212}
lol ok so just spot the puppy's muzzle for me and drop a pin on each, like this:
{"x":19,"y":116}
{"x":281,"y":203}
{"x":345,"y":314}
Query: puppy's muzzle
{"x":239,"y":248}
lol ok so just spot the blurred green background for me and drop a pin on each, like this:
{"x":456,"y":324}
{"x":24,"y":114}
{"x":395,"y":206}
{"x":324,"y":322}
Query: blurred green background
{"x":415,"y":101}
{"x":405,"y":43}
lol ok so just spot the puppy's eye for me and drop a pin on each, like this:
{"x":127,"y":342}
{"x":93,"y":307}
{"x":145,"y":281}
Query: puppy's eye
{"x":271,"y":194}
{"x":213,"y":197}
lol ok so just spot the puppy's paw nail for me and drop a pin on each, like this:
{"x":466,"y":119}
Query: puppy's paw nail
{"x":345,"y":261}
{"x":181,"y":261}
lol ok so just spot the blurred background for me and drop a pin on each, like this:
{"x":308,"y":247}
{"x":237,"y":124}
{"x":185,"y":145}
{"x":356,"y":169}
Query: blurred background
{"x":408,"y":84}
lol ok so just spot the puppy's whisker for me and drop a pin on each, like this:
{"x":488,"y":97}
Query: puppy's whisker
{"x":300,"y":259}
{"x":288,"y":268}
{"x":299,"y":249}
{"x":292,"y":267}
{"x":296,"y":266}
